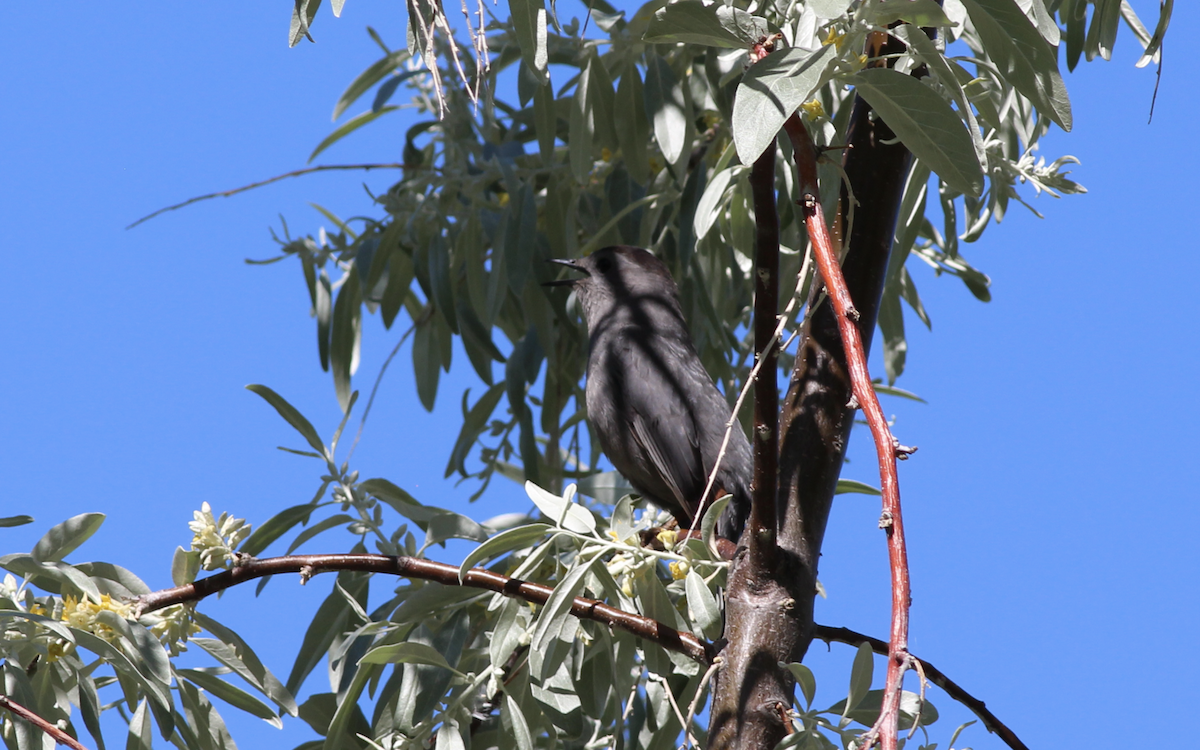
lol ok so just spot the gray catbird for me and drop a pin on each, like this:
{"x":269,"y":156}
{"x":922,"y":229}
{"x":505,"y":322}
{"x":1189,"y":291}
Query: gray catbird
{"x":658,"y":415}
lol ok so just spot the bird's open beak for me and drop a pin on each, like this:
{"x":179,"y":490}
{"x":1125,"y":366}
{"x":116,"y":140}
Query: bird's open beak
{"x":572,"y":264}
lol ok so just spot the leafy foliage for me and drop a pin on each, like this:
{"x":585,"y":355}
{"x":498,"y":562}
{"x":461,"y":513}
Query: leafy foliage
{"x":626,"y":128}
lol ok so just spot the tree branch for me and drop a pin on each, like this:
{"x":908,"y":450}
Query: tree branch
{"x":308,"y":566}
{"x":276,"y":178}
{"x":58,"y":735}
{"x":764,"y":523}
{"x":886,"y":446}
{"x":935,"y":675}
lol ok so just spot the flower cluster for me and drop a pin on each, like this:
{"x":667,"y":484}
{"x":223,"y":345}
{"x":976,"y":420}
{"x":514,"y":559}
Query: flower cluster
{"x":87,"y":615}
{"x":216,"y":538}
{"x":173,"y":626}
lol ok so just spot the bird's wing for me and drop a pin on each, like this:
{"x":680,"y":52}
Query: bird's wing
{"x":663,"y":424}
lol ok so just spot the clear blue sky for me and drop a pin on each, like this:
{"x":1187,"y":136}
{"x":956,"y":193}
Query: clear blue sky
{"x":1050,"y":509}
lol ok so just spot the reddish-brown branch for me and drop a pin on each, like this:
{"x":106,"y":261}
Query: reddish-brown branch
{"x":58,"y":735}
{"x":935,"y":675}
{"x":886,"y":447}
{"x":763,"y":517}
{"x":685,"y":643}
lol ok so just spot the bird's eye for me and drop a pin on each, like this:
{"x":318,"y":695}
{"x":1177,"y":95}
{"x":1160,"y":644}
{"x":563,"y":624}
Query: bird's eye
{"x":603,"y":265}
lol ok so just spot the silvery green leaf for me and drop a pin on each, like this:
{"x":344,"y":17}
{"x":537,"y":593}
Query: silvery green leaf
{"x":925,"y":123}
{"x":563,"y":511}
{"x":715,"y":25}
{"x":770,"y":92}
{"x":64,"y":538}
{"x":1022,"y":56}
{"x":503,"y":543}
{"x":668,"y":107}
{"x":291,"y":415}
{"x":702,"y":606}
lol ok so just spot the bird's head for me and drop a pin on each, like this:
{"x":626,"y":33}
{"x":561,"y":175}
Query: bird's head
{"x":617,"y":274}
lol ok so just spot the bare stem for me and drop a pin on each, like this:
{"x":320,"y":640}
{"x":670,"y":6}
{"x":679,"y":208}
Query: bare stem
{"x":885,"y":445}
{"x":58,"y":735}
{"x":665,"y":636}
{"x":261,"y":183}
{"x":935,"y":675}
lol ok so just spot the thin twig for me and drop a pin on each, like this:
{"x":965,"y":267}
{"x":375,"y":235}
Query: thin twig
{"x":695,"y":704}
{"x":753,"y":375}
{"x":58,"y":735}
{"x":935,"y":676}
{"x":886,"y":447}
{"x":276,"y":178}
{"x":375,"y":388}
{"x":308,"y":566}
{"x":688,"y":739}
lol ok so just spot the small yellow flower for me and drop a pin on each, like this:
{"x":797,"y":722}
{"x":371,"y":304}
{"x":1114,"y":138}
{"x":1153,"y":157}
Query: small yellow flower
{"x":679,"y":569}
{"x":627,"y":586}
{"x":37,"y":609}
{"x":81,"y":613}
{"x":57,"y":649}
{"x":834,"y":37}
{"x":668,"y":537}
{"x":813,"y":109}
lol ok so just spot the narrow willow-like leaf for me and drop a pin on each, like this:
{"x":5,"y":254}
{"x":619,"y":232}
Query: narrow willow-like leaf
{"x":516,"y":538}
{"x":925,"y":123}
{"x":770,"y":92}
{"x":290,"y":415}
{"x":232,"y":695}
{"x":551,"y":620}
{"x":713,"y":25}
{"x":248,"y":665}
{"x":562,"y":510}
{"x":64,"y":538}
{"x":275,"y":527}
{"x":449,"y":525}
{"x":520,"y":728}
{"x":702,"y":606}
{"x":426,"y":361}
{"x":141,"y":730}
{"x":806,"y":681}
{"x":1022,"y":56}
{"x":325,"y":524}
{"x":346,"y":338}
{"x":323,"y":308}
{"x":303,"y":12}
{"x":368,"y":78}
{"x":854,"y":486}
{"x":633,"y":127}
{"x":667,"y":107}
{"x":529,"y":23}
{"x":916,"y":12}
{"x":474,"y":421}
{"x":406,"y":653}
{"x":581,"y":130}
{"x":861,"y":673}
{"x":354,"y":123}
{"x":545,"y":122}
{"x":891,"y":326}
